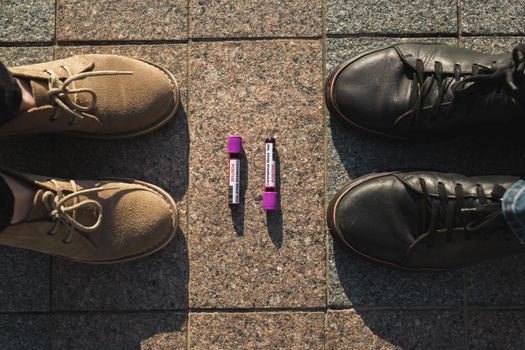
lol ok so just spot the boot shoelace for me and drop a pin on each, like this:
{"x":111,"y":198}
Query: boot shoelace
{"x":60,"y":94}
{"x":465,"y":213}
{"x":63,"y":213}
{"x":482,"y":79}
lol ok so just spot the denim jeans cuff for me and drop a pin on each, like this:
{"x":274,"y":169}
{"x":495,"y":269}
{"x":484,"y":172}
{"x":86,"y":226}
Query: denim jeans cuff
{"x":513,"y":205}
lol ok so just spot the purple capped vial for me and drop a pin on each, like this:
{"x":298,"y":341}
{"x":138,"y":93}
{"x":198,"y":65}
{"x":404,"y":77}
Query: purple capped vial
{"x":234,"y":178}
{"x":270,"y":197}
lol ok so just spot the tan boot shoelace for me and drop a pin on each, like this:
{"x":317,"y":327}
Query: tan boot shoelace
{"x":60,"y":94}
{"x":56,"y":204}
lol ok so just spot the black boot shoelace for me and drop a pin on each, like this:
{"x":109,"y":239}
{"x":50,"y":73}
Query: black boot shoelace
{"x":447,"y":213}
{"x":500,"y":84}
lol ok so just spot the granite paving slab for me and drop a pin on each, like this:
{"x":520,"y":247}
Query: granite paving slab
{"x":242,"y":257}
{"x":27,"y":21}
{"x":159,"y":281}
{"x":145,"y":330}
{"x":395,"y":329}
{"x":351,"y":279}
{"x":251,"y":18}
{"x":496,"y":329}
{"x":101,"y":20}
{"x":491,"y":17}
{"x":261,"y":330}
{"x":21,"y":331}
{"x":496,"y":283}
{"x":391,"y":17}
{"x":501,"y":282}
{"x":24,"y":285}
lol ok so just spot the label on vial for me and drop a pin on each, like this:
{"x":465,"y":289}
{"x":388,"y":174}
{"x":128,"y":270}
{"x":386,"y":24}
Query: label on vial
{"x":269,"y":173}
{"x":234,"y":182}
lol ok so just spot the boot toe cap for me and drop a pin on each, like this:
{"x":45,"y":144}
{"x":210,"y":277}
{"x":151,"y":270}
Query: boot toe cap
{"x":368,"y":220}
{"x":372,"y":90}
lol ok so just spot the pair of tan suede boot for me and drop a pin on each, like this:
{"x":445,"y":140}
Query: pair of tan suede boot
{"x":94,"y":221}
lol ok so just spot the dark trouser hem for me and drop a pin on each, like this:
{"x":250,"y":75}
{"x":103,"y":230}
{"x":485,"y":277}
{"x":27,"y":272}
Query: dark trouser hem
{"x":10,"y":95}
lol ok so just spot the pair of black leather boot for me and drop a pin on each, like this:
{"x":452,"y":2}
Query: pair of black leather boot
{"x":422,"y":220}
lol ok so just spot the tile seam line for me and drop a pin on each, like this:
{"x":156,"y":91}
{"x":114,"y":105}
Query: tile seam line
{"x":147,"y":42}
{"x":248,"y":39}
{"x":419,"y":35}
{"x":325,"y":167}
{"x":263,"y":310}
{"x":188,"y":195}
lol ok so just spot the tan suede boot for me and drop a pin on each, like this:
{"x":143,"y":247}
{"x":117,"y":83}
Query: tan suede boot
{"x":99,"y":222}
{"x":103,"y":96}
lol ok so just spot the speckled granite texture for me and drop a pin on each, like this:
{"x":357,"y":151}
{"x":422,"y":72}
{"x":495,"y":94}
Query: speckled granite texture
{"x":27,"y":21}
{"x":252,"y":18}
{"x":240,"y":279}
{"x":91,"y":20}
{"x":243,"y":258}
{"x":145,"y":330}
{"x":393,"y":329}
{"x":491,"y":17}
{"x":387,"y":16}
{"x":261,"y":330}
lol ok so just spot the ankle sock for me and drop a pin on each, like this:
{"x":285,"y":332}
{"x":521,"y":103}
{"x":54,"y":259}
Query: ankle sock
{"x":10,"y":95}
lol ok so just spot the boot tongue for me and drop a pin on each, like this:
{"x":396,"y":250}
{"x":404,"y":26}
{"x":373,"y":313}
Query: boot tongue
{"x":40,"y":89}
{"x":39,"y":211}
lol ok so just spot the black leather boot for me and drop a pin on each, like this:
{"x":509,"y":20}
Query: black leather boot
{"x":421,"y":92}
{"x":424,"y":220}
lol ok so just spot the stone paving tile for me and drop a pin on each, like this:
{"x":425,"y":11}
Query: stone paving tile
{"x":242,"y":257}
{"x":393,"y":329}
{"x":148,"y":330}
{"x":391,"y":17}
{"x":501,"y":44}
{"x":261,"y":330}
{"x":25,"y":275}
{"x":159,"y":281}
{"x":26,"y":332}
{"x":501,"y":282}
{"x":496,"y":329}
{"x":81,"y":20}
{"x":231,"y":18}
{"x":27,"y":20}
{"x":352,"y":280}
{"x":497,"y":283}
{"x":492,"y":16}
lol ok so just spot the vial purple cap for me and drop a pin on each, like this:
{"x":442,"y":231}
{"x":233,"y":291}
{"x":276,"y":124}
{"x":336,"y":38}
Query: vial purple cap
{"x":270,"y":200}
{"x":234,"y":144}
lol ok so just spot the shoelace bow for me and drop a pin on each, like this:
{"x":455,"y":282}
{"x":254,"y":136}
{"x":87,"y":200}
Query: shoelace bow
{"x":63,"y":214}
{"x":60,"y":94}
{"x":497,"y":81}
{"x":465,"y":213}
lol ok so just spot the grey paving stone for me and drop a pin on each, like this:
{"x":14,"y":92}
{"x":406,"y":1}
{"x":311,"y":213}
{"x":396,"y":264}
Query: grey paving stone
{"x":24,"y":285}
{"x":392,"y":329}
{"x":81,"y":20}
{"x":352,"y":280}
{"x":147,"y":330}
{"x":500,"y":282}
{"x":391,"y":17}
{"x":258,"y":330}
{"x":496,"y":329}
{"x":244,"y":257}
{"x":156,"y":282}
{"x":27,"y":20}
{"x":492,"y":16}
{"x":499,"y":44}
{"x":232,"y":18}
{"x":28,"y":332}
{"x":497,"y":283}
